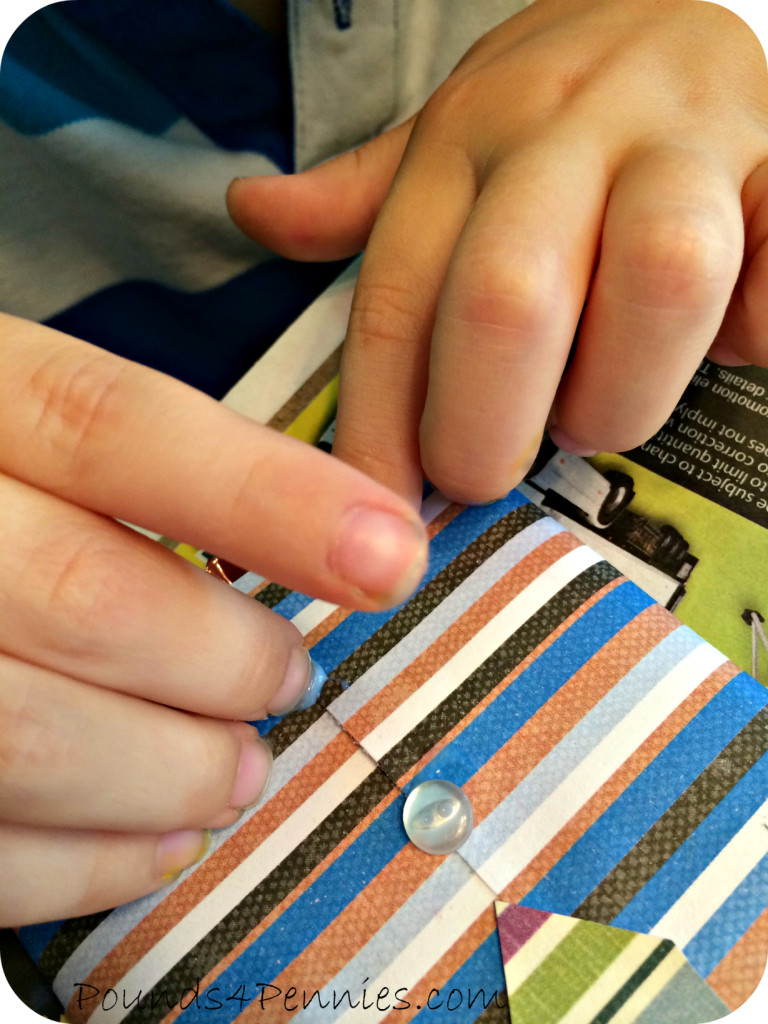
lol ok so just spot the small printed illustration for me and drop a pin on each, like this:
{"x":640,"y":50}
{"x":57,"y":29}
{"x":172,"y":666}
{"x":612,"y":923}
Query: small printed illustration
{"x":595,"y":506}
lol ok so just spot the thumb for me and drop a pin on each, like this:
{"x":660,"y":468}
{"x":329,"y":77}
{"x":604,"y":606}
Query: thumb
{"x":325,"y":213}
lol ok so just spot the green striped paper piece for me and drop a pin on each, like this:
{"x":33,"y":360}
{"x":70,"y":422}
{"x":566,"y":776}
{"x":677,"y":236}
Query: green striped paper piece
{"x":562,"y":970}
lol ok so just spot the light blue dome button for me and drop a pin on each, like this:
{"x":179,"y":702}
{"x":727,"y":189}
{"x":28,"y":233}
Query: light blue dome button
{"x":437,"y":816}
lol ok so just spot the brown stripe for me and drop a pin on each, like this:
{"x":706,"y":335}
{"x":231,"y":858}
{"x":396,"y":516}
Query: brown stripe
{"x":667,"y":834}
{"x":445,"y":646}
{"x":270,"y":594}
{"x":360,"y":920}
{"x":739,"y":972}
{"x":305,"y":883}
{"x":538,"y":736}
{"x":218,"y":865}
{"x":518,"y":669}
{"x":310,"y":389}
{"x":612,"y":789}
{"x":494,"y":669}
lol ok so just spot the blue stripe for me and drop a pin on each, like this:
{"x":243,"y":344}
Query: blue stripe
{"x":292,"y":605}
{"x":54,"y":74}
{"x":447,"y":879}
{"x":698,"y":850}
{"x":212,"y":62}
{"x":477,"y":980}
{"x":35,"y":937}
{"x":509,"y":712}
{"x":445,"y":546}
{"x":312,"y":912}
{"x":545,"y":777}
{"x":590,"y":859}
{"x":730,"y":921}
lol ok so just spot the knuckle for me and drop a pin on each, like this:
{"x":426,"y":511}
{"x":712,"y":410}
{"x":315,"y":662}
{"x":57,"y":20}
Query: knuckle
{"x":30,"y":746}
{"x":517,"y":289}
{"x":77,"y":401}
{"x":387,"y":313}
{"x":452,"y":105}
{"x":680,"y":259}
{"x":89,"y":592}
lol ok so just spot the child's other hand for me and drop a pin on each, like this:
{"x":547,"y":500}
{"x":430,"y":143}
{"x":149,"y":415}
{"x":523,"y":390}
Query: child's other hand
{"x":587,"y":159}
{"x":125,"y":672}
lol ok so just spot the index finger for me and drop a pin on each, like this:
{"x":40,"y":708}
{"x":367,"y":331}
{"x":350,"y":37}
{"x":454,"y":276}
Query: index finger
{"x":129,"y":442}
{"x":385,"y":363}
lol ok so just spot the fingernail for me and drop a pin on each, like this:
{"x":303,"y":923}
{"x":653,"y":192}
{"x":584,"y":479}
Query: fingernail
{"x":381,"y":554}
{"x":179,"y":850}
{"x":253,"y":772}
{"x":294,"y":684}
{"x":562,"y":440}
{"x":301,"y":687}
{"x":225,"y":818}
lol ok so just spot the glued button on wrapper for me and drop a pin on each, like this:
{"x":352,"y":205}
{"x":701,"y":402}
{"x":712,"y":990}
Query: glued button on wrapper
{"x":437,"y":816}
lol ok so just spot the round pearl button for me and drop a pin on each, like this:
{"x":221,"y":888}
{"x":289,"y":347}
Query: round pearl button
{"x":437,"y":816}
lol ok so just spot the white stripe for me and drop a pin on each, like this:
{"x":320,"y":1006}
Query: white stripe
{"x":717,"y":881}
{"x":438,"y":935}
{"x":395,"y":930}
{"x":436,"y":689}
{"x":441,"y":619}
{"x":248,"y":582}
{"x":642,"y":997}
{"x":616,"y":974}
{"x":541,"y":944}
{"x":433,"y":506}
{"x":234,"y":887}
{"x":313,"y":615}
{"x":596,"y":768}
{"x":146,"y":183}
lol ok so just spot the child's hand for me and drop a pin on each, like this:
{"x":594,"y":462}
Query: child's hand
{"x":125,"y":672}
{"x":586,"y":151}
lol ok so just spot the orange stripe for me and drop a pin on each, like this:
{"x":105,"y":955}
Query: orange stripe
{"x":329,"y":623}
{"x":739,"y":972}
{"x":330,"y":951}
{"x":139,"y":941}
{"x":258,"y":588}
{"x":442,"y":519}
{"x":517,"y":671}
{"x":445,"y":968}
{"x":445,"y":646}
{"x":290,"y":898}
{"x":586,"y":815}
{"x":541,"y":733}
